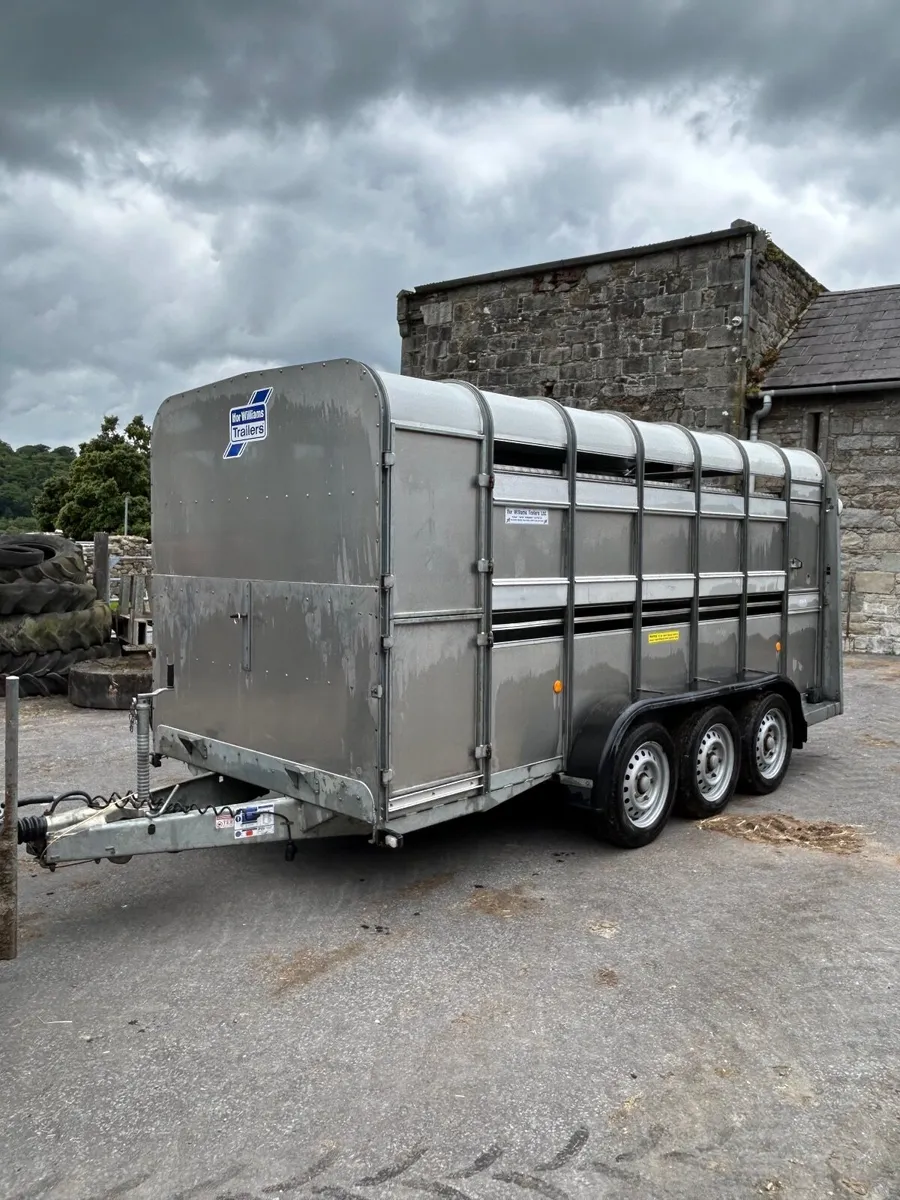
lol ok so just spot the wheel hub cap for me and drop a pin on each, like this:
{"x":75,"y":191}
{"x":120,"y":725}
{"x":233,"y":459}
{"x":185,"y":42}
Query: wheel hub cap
{"x":715,"y":763}
{"x":771,"y":744}
{"x":645,"y":787}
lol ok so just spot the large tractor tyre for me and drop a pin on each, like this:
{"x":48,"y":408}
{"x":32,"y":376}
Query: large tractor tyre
{"x":48,"y":674}
{"x":15,"y":559}
{"x":55,"y":631}
{"x":27,"y":598}
{"x":767,"y":739}
{"x":645,"y":780}
{"x":38,"y":556}
{"x":709,"y":745}
{"x":110,"y":684}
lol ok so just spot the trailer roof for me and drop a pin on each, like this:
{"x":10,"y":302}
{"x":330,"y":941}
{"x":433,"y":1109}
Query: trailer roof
{"x":453,"y":407}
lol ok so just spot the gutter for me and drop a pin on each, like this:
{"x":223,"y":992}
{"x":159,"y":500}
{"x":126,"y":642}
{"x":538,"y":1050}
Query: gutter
{"x":817,"y":389}
{"x":833,"y":389}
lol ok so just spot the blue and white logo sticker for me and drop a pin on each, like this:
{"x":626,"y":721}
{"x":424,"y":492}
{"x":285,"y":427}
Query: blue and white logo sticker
{"x":248,"y":423}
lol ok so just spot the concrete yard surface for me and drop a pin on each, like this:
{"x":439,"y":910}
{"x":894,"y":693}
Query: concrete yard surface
{"x":503,"y":1010}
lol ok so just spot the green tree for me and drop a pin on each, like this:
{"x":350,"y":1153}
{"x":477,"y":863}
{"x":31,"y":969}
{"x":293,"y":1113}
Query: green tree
{"x":90,"y":496}
{"x":23,"y":473}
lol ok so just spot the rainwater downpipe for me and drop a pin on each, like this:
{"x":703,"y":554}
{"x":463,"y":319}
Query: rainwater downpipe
{"x":740,"y":399}
{"x":759,"y":415}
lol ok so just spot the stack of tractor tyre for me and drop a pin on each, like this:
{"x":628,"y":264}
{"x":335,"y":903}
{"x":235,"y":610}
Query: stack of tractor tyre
{"x":50,"y":616}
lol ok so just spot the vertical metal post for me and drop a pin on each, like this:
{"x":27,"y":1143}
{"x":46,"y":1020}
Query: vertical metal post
{"x":485,"y":582}
{"x":785,"y":661}
{"x":9,"y":827}
{"x":697,"y":483}
{"x":101,"y":565}
{"x":637,"y":562}
{"x":569,"y":570}
{"x":746,"y":492}
{"x":127,"y":498}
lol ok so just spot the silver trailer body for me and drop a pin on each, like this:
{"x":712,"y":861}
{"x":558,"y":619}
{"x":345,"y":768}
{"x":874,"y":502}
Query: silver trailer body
{"x":399,"y":601}
{"x":380,"y":603}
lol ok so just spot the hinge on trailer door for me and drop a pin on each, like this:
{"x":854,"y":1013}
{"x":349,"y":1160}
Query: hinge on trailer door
{"x":485,"y":481}
{"x":387,"y":642}
{"x":387,"y":582}
{"x":482,"y":752}
{"x":387,"y":776}
{"x":484,"y":639}
{"x":485,"y":566}
{"x":388,"y":458}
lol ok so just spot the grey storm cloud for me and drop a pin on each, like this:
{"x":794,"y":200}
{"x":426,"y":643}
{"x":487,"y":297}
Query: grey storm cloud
{"x":190,"y":188}
{"x":228,"y":62}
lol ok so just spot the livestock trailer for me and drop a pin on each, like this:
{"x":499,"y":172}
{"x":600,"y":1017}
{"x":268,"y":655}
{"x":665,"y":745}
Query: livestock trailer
{"x":380,"y":603}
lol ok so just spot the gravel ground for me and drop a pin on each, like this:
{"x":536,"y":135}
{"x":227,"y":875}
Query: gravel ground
{"x":502,"y":1010}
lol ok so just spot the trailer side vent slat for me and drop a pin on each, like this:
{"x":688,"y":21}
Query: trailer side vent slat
{"x":529,"y":625}
{"x":542,"y":460}
{"x":605,"y":466}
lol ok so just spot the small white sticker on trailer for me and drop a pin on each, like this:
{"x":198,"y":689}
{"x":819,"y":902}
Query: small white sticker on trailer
{"x":527,"y":516}
{"x":256,"y":820}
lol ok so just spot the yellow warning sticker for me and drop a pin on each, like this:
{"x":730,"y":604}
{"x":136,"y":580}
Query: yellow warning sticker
{"x":663,"y":635}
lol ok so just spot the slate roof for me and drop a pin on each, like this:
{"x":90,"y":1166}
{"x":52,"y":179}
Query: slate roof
{"x":843,"y":338}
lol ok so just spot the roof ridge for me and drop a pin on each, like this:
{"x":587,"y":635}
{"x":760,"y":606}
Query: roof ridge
{"x":878,"y":287}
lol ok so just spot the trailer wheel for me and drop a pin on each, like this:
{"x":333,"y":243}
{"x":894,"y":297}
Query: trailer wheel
{"x":767,"y":738}
{"x":709,"y":749}
{"x":643,"y":790}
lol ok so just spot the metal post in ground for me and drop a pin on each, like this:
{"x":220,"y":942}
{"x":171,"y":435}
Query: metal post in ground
{"x":101,"y":565}
{"x":9,"y":828}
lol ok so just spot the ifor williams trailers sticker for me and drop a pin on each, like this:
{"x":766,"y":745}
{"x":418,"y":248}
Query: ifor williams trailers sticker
{"x":248,"y":423}
{"x":527,"y":516}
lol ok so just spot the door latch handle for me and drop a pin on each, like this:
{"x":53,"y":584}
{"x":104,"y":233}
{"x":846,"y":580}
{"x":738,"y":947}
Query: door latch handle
{"x":237,"y":617}
{"x":796,"y":564}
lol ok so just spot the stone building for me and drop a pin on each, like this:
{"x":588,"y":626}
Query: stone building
{"x":671,"y":331}
{"x":835,"y":389}
{"x":699,"y":330}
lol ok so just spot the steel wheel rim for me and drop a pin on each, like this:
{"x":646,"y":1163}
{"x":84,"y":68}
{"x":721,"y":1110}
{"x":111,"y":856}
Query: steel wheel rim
{"x":771,"y":744}
{"x":645,"y":786}
{"x":714,"y":764}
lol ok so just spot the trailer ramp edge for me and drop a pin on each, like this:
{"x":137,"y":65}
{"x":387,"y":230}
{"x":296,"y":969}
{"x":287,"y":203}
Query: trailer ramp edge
{"x":337,"y":793}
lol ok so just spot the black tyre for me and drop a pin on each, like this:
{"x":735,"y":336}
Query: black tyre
{"x":709,"y":759}
{"x":48,"y":674}
{"x":55,"y":631}
{"x":38,"y":556}
{"x":14,"y":559}
{"x":27,"y":597}
{"x":643,"y":790}
{"x":110,"y":683}
{"x":767,"y":739}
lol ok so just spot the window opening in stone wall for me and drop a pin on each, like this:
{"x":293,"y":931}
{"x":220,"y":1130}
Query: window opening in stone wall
{"x":532,"y":460}
{"x":813,"y":431}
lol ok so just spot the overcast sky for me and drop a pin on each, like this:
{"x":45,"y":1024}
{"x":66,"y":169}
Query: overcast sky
{"x":191,"y":188}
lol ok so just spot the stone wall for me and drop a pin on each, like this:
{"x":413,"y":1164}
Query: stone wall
{"x":656,"y":331}
{"x":859,"y":440}
{"x":121,"y":547}
{"x":781,"y":292}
